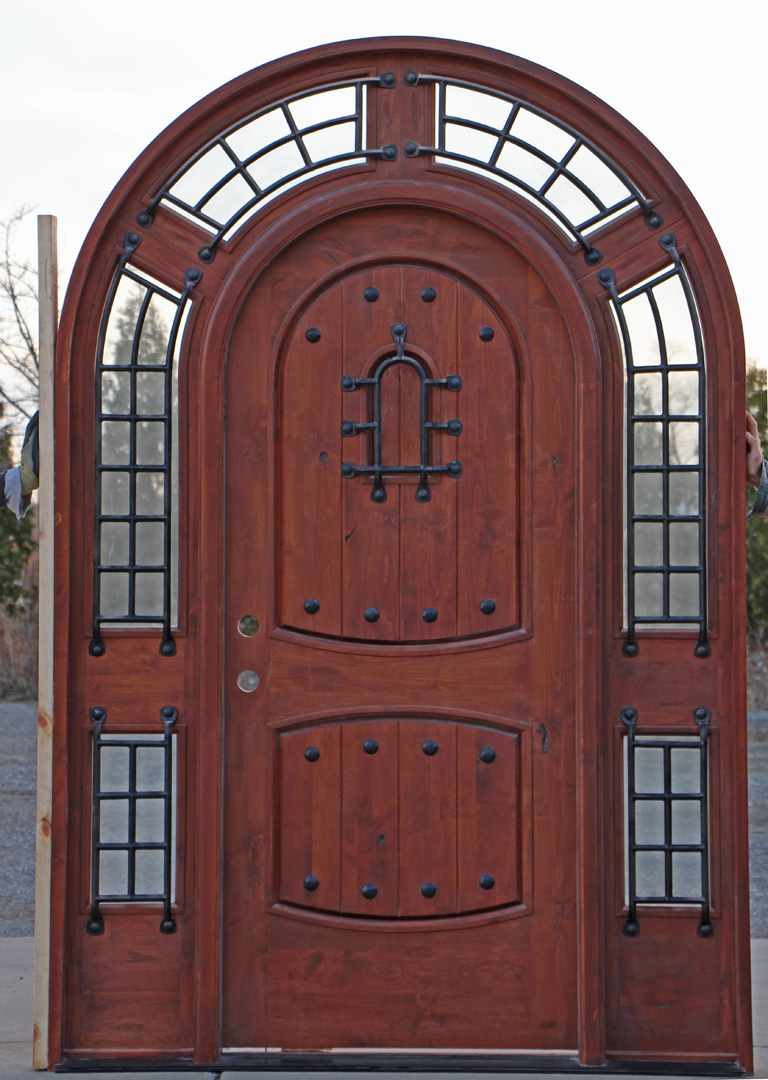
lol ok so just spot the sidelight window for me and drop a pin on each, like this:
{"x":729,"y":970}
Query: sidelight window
{"x":664,"y":452}
{"x":137,"y":408}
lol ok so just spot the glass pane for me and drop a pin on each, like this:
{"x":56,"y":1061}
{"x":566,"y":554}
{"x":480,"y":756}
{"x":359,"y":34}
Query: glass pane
{"x":524,"y":165}
{"x":647,"y":443}
{"x":686,"y":765}
{"x":469,"y":142}
{"x":684,"y":493}
{"x":114,"y":595}
{"x":276,"y":164}
{"x":683,"y":393}
{"x":597,"y":176}
{"x":150,"y":543}
{"x":150,"y":393}
{"x":118,"y":343}
{"x":571,"y":201}
{"x":115,"y":442}
{"x":649,"y":493}
{"x":473,"y":105}
{"x":114,"y":543}
{"x":116,"y":392}
{"x":201,"y":177}
{"x":150,"y":443}
{"x":330,"y":142}
{"x":113,"y":873}
{"x":684,"y":594}
{"x":149,"y":594}
{"x":156,"y":331}
{"x":649,"y":596}
{"x":150,"y":768}
{"x":683,"y":443}
{"x":684,"y":544}
{"x":648,"y":393}
{"x":686,"y":822}
{"x":648,"y":544}
{"x":542,"y":134}
{"x":649,"y":868}
{"x":649,"y":770}
{"x":649,"y":822}
{"x":113,"y":824}
{"x":149,"y":493}
{"x":115,"y":493}
{"x":259,"y":133}
{"x":676,"y":320}
{"x":686,"y":873}
{"x":229,"y":199}
{"x":150,"y":821}
{"x":642,"y":332}
{"x":314,"y":108}
{"x":149,"y":872}
{"x":114,"y":768}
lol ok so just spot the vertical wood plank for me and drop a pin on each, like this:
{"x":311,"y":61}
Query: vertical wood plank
{"x":369,"y":815}
{"x":310,"y":488}
{"x":428,"y":530}
{"x":489,"y":817}
{"x":310,"y":817}
{"x":427,"y":818}
{"x":371,"y":541}
{"x":48,"y":314}
{"x":488,"y":531}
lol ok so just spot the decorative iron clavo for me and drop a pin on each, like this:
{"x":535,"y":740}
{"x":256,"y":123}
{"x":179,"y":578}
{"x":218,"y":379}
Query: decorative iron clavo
{"x":378,"y":470}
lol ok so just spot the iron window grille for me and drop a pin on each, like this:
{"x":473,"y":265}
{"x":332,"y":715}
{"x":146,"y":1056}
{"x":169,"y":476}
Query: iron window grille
{"x":134,"y":456}
{"x":233,"y":174}
{"x":577,"y":184}
{"x":130,"y":795}
{"x":670,"y":798}
{"x":665,"y":471}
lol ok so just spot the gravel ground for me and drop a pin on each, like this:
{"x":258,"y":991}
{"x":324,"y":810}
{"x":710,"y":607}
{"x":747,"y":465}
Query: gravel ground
{"x":18,"y":743}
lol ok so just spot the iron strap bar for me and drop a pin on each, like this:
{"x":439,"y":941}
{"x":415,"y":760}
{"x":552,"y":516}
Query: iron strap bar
{"x":131,"y":466}
{"x":666,"y":467}
{"x":559,"y":167}
{"x":295,"y":136}
{"x":668,"y":796}
{"x":132,"y":795}
{"x":378,"y":470}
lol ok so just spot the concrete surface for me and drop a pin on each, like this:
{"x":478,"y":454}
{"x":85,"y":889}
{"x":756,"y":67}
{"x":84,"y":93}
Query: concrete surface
{"x":18,"y":735}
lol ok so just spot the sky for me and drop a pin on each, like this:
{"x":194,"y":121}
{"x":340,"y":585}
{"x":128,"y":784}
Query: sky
{"x":87,"y":84}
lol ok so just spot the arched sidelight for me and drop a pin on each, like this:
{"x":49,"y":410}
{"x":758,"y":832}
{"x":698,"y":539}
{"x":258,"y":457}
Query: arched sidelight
{"x":398,"y":389}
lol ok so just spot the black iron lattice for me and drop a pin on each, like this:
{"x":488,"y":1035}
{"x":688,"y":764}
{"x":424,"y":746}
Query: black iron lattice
{"x":131,"y":795}
{"x":668,"y":797}
{"x":666,"y":468}
{"x":133,"y":418}
{"x":559,"y":167}
{"x":239,"y":165}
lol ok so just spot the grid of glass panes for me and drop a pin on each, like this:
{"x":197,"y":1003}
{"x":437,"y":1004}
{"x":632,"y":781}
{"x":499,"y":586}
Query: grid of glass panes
{"x":534,"y":153}
{"x":136,"y":568}
{"x":238,"y":171}
{"x":665,"y":453}
{"x":666,"y":816}
{"x":134,"y":818}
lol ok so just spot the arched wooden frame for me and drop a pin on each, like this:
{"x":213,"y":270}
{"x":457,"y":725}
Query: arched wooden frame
{"x":170,"y":245}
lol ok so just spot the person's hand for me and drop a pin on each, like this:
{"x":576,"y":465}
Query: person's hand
{"x":754,"y":453}
{"x":28,"y":471}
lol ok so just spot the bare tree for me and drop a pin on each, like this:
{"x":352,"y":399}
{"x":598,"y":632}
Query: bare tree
{"x":19,"y":372}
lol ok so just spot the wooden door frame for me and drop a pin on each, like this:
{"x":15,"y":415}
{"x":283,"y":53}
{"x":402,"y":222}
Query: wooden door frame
{"x":173,"y":244}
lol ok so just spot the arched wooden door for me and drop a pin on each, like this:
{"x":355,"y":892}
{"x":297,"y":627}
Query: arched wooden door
{"x":399,"y":667}
{"x":399,"y":788}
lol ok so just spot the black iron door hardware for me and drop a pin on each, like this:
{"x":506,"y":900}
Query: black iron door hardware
{"x":378,"y":470}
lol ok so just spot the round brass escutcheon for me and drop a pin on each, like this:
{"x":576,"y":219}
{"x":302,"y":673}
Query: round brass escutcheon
{"x":248,"y":625}
{"x":248,"y":681}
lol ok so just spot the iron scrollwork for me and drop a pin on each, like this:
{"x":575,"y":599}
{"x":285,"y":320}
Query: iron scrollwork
{"x":378,"y":470}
